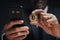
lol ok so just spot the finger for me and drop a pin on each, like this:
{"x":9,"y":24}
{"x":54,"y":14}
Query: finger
{"x":53,"y":22}
{"x":18,"y":34}
{"x":25,"y":28}
{"x":43,"y":21}
{"x":37,"y":11}
{"x":20,"y":38}
{"x":43,"y":24}
{"x":53,"y":18}
{"x":47,"y":17}
{"x":50,"y":20}
{"x":8,"y":26}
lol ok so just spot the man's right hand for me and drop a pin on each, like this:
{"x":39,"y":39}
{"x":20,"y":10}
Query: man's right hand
{"x":18,"y":33}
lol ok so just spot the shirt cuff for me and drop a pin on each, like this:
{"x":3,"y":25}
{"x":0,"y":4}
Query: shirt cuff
{"x":2,"y":36}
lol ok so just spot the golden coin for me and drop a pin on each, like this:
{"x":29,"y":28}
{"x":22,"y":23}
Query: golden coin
{"x":33,"y":17}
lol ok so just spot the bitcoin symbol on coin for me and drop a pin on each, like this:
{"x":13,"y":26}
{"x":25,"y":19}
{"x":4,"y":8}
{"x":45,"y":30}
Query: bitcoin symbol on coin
{"x":33,"y":17}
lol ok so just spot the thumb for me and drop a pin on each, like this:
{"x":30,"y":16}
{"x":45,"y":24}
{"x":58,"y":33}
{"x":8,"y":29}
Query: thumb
{"x":37,"y":11}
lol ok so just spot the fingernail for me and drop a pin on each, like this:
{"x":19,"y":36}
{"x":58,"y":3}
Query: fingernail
{"x":22,"y":21}
{"x":44,"y":16}
{"x":26,"y":27}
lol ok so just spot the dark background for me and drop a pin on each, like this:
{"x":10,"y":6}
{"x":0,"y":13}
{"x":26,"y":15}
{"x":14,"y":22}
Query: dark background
{"x":5,"y":3}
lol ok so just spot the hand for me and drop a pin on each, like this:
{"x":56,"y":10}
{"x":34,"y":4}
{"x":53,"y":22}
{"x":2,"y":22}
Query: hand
{"x":18,"y":33}
{"x":48,"y":22}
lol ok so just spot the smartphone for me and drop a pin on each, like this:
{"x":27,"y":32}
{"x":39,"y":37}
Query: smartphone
{"x":16,"y":14}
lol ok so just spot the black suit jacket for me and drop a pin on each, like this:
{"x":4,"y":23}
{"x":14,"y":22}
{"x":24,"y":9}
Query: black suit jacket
{"x":36,"y":33}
